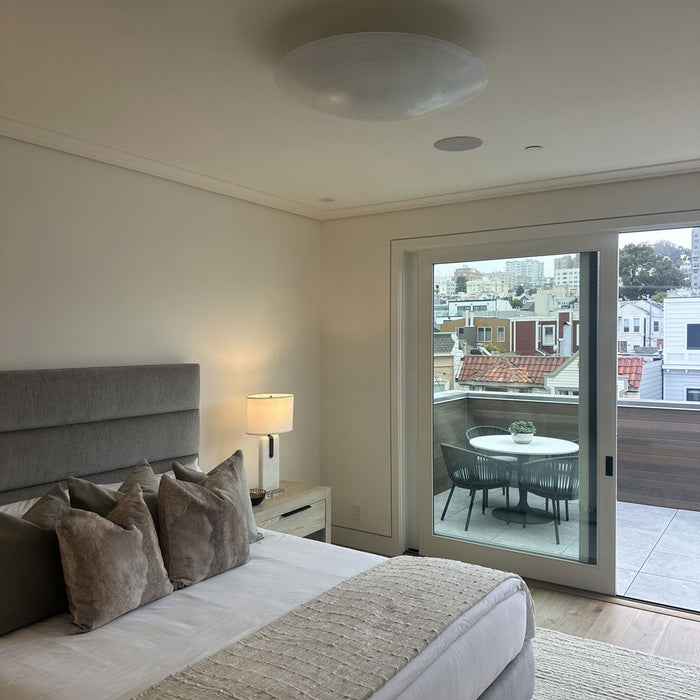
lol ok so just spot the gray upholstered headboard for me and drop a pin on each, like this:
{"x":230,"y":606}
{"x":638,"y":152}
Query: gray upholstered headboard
{"x":94,"y":423}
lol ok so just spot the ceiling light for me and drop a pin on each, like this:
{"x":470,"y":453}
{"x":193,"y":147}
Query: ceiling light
{"x":534,"y":148}
{"x":381,"y":76}
{"x":458,"y":143}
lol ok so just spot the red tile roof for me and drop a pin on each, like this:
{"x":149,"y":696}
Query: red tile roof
{"x":520,"y":369}
{"x":632,"y":367}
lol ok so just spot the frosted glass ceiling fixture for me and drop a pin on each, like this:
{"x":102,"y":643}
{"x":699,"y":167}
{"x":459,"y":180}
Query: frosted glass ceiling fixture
{"x":381,"y":76}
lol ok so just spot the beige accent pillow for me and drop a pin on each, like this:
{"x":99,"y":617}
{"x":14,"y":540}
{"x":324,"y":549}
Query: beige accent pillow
{"x":187,"y":473}
{"x":110,"y":565}
{"x":101,"y":500}
{"x":31,"y":578}
{"x":202,"y":526}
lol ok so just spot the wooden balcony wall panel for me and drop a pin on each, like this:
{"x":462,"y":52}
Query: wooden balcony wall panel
{"x":551,"y":419}
{"x":658,"y":457}
{"x":658,"y":449}
{"x":449,"y":427}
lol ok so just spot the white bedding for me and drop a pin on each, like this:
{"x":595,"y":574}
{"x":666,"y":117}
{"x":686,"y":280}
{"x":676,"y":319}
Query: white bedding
{"x":135,"y":651}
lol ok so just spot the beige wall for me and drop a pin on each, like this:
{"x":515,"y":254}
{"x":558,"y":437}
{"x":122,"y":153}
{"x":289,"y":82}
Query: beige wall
{"x":356,"y":438}
{"x":100,"y":266}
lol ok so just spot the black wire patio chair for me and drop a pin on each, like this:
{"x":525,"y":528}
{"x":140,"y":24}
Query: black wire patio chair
{"x":474,"y":472}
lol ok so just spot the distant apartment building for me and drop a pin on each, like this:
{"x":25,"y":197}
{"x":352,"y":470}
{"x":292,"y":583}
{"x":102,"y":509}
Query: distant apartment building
{"x":552,"y":335}
{"x":556,"y":334}
{"x":639,"y":325}
{"x":469,"y":273}
{"x":467,"y":308}
{"x":493,"y":331}
{"x":569,"y":278}
{"x":446,"y":357}
{"x":532,"y":270}
{"x":695,"y":261}
{"x":566,"y":262}
{"x":681,"y":357}
{"x":445,"y":286}
{"x":548,"y":301}
{"x":492,"y":286}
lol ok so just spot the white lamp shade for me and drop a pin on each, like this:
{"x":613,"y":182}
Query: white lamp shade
{"x":381,"y":76}
{"x":270,"y":414}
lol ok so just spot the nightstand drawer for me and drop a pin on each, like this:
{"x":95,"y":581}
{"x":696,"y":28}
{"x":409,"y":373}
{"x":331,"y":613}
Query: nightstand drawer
{"x":300,"y":521}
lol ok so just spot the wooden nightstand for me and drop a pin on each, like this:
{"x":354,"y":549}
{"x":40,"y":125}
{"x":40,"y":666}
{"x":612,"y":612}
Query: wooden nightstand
{"x":300,"y":509}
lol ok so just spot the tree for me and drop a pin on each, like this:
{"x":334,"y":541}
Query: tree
{"x":644,"y":272}
{"x":675,"y":253}
{"x":461,"y":284}
{"x":520,"y":290}
{"x":516,"y":303}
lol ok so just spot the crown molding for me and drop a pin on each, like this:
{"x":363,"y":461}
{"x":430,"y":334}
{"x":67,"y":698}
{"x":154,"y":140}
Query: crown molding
{"x":22,"y":131}
{"x":40,"y":136}
{"x":561,"y":183}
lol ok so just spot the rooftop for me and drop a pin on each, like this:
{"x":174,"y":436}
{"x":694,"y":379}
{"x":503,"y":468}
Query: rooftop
{"x":500,"y":368}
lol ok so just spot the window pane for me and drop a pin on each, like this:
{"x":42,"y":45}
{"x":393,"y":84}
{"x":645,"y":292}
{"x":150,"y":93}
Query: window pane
{"x":694,"y":336}
{"x":530,"y":375}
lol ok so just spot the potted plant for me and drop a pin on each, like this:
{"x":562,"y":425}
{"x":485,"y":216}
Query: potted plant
{"x":522,"y":431}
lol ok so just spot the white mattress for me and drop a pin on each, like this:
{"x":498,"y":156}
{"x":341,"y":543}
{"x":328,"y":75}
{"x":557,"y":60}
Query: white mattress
{"x":140,"y":648}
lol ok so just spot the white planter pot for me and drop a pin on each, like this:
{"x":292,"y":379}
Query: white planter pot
{"x":522,"y":438}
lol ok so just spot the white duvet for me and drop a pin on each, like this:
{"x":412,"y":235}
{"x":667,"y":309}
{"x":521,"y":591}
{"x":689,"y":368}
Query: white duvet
{"x":140,"y":648}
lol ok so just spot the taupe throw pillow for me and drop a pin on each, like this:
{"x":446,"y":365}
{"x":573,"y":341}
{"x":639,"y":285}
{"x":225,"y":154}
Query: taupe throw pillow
{"x":98,"y":499}
{"x":31,"y":577}
{"x":235,"y":461}
{"x":111,"y":565}
{"x":202,"y":526}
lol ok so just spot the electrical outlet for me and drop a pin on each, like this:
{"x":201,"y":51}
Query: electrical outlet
{"x":355,"y":512}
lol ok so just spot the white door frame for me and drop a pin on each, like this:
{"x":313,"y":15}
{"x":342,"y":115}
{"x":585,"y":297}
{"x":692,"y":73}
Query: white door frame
{"x":601,"y":575}
{"x":405,"y":451}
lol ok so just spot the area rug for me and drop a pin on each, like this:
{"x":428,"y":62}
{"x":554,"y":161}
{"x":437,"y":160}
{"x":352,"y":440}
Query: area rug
{"x":571,"y":668}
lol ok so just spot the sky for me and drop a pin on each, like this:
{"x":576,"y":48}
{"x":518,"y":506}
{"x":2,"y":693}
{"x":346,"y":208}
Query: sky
{"x":679,"y":236}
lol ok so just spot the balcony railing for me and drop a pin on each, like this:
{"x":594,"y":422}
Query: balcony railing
{"x":658,"y":443}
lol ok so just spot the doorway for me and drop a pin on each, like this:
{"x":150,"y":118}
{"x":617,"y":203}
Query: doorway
{"x":505,"y":351}
{"x":658,"y":509}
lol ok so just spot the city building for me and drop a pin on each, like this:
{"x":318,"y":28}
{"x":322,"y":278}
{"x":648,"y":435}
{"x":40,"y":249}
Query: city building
{"x":568,"y":277}
{"x":639,"y":325}
{"x":566,"y":262}
{"x":695,"y":261}
{"x":495,"y":287}
{"x":681,"y":356}
{"x":445,"y":286}
{"x":532,"y":270}
{"x":493,"y":331}
{"x":469,"y":273}
{"x":467,"y":308}
{"x":446,"y":357}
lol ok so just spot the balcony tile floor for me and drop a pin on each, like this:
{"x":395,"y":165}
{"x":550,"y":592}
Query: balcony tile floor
{"x":658,"y":549}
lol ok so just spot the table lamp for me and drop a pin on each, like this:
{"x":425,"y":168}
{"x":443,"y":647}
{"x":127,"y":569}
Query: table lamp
{"x":267,"y":416}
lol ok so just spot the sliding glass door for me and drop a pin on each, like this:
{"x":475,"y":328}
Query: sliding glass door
{"x":516,"y":407}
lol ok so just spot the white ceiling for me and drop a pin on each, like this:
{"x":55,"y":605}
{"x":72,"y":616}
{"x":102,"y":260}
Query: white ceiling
{"x":184,"y":90}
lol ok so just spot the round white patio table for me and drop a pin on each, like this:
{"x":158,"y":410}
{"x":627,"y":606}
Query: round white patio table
{"x":540,"y":447}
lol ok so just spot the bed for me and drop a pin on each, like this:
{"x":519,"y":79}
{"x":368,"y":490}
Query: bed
{"x":96,"y":423}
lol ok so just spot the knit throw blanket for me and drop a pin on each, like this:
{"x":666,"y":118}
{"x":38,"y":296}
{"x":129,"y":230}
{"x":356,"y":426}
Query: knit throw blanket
{"x":347,"y":642}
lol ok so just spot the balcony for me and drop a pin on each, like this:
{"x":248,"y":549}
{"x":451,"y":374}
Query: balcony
{"x":658,"y":492}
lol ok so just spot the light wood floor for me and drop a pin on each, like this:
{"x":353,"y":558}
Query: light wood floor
{"x":642,"y":627}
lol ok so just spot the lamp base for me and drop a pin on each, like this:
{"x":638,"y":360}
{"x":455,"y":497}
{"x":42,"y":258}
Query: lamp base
{"x":269,"y":466}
